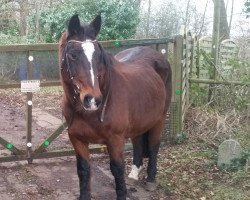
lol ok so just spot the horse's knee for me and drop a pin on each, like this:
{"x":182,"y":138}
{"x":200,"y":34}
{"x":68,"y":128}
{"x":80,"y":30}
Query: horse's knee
{"x":83,"y":171}
{"x":117,"y":169}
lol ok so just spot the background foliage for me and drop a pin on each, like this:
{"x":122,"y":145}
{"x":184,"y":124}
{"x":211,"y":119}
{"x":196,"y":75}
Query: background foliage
{"x":119,"y":20}
{"x":247,"y":8}
{"x":44,"y":21}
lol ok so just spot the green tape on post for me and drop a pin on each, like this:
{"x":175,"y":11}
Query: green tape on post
{"x":46,"y":143}
{"x":9,"y":146}
{"x":117,"y":43}
{"x":178,"y":91}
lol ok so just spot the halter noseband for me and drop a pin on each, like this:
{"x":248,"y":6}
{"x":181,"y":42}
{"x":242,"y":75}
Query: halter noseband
{"x":76,"y":92}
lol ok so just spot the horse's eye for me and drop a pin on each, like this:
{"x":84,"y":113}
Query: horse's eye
{"x":73,"y":56}
{"x":99,"y":77}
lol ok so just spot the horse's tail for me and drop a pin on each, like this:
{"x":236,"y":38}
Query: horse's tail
{"x":162,"y":67}
{"x":168,"y":86}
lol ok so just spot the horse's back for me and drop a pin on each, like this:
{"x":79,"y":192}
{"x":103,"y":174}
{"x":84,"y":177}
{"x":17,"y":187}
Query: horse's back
{"x":148,"y":57}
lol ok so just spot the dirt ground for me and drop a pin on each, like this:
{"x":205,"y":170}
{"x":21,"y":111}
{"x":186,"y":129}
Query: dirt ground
{"x":54,"y":178}
{"x":185,"y":171}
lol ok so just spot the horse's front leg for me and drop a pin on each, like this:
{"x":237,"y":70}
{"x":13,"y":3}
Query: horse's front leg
{"x":117,"y":167}
{"x":83,"y":167}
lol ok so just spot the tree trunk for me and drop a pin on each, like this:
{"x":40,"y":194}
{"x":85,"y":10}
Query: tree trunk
{"x":215,"y":46}
{"x":231,"y":17}
{"x":186,"y":20}
{"x":23,"y":15}
{"x":224,"y":28}
{"x":203,"y":19}
{"x":148,"y":18}
{"x":37,"y":18}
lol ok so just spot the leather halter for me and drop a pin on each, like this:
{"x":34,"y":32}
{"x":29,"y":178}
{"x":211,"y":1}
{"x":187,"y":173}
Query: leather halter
{"x":76,"y":92}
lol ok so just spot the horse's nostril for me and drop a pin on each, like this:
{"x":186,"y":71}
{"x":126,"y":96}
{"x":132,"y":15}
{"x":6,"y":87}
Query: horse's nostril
{"x":92,"y":103}
{"x":87,"y":100}
{"x":98,"y":101}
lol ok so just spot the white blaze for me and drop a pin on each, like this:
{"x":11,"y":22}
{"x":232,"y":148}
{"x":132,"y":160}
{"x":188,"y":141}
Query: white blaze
{"x":89,"y":49}
{"x":134,"y":174}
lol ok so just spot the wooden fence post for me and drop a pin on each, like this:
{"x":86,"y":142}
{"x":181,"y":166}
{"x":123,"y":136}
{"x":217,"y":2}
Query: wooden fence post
{"x":29,"y":110}
{"x":175,"y":108}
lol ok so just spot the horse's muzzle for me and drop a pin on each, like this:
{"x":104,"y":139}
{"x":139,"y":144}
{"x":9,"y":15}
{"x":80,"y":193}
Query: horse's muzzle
{"x":91,"y":103}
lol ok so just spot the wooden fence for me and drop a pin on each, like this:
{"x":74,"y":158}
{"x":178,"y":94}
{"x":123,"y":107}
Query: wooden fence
{"x":171,"y":48}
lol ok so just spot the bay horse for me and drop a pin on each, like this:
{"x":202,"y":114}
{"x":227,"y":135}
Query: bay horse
{"x":108,"y":99}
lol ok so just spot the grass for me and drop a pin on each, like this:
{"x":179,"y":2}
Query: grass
{"x":189,"y":171}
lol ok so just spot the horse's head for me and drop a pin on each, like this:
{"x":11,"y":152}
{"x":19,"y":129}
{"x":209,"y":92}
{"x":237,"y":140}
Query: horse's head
{"x":83,"y":66}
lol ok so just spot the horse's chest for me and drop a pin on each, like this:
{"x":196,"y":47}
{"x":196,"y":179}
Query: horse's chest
{"x":86,"y":131}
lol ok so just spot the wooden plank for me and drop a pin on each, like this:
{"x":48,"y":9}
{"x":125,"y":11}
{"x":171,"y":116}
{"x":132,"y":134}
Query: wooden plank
{"x":11,"y":85}
{"x":29,"y":109}
{"x":94,"y":149}
{"x":18,"y":85}
{"x":50,"y":84}
{"x":107,"y":44}
{"x":13,"y":158}
{"x":135,"y":42}
{"x":209,"y":81}
{"x":50,"y":139}
{"x":29,"y":47}
{"x":177,"y":71}
{"x":11,"y":148}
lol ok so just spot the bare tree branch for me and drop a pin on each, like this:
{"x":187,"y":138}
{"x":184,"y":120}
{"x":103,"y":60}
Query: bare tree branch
{"x":203,"y":19}
{"x":231,"y":17}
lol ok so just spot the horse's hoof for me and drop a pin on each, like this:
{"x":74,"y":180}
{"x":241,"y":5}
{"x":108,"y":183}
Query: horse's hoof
{"x":150,"y":186}
{"x":131,"y":182}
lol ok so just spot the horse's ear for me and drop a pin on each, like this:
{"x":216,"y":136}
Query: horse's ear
{"x":96,"y":24}
{"x":74,"y":26}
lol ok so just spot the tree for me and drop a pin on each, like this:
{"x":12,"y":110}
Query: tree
{"x":164,"y":21}
{"x":195,"y":20}
{"x":223,"y":28}
{"x":247,"y":8}
{"x":8,"y":22}
{"x":120,"y":18}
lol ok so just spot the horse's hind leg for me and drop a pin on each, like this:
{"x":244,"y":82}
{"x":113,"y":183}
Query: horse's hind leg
{"x":137,"y":157}
{"x":153,"y":147}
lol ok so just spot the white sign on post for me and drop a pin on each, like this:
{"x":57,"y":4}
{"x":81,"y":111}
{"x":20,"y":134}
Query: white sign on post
{"x":30,"y":85}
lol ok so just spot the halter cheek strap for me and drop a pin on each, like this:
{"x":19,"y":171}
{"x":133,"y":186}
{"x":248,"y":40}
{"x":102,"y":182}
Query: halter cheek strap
{"x":104,"y":107}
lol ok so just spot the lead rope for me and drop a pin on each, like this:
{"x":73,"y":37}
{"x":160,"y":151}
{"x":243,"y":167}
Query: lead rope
{"x":104,"y":108}
{"x":106,"y":100}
